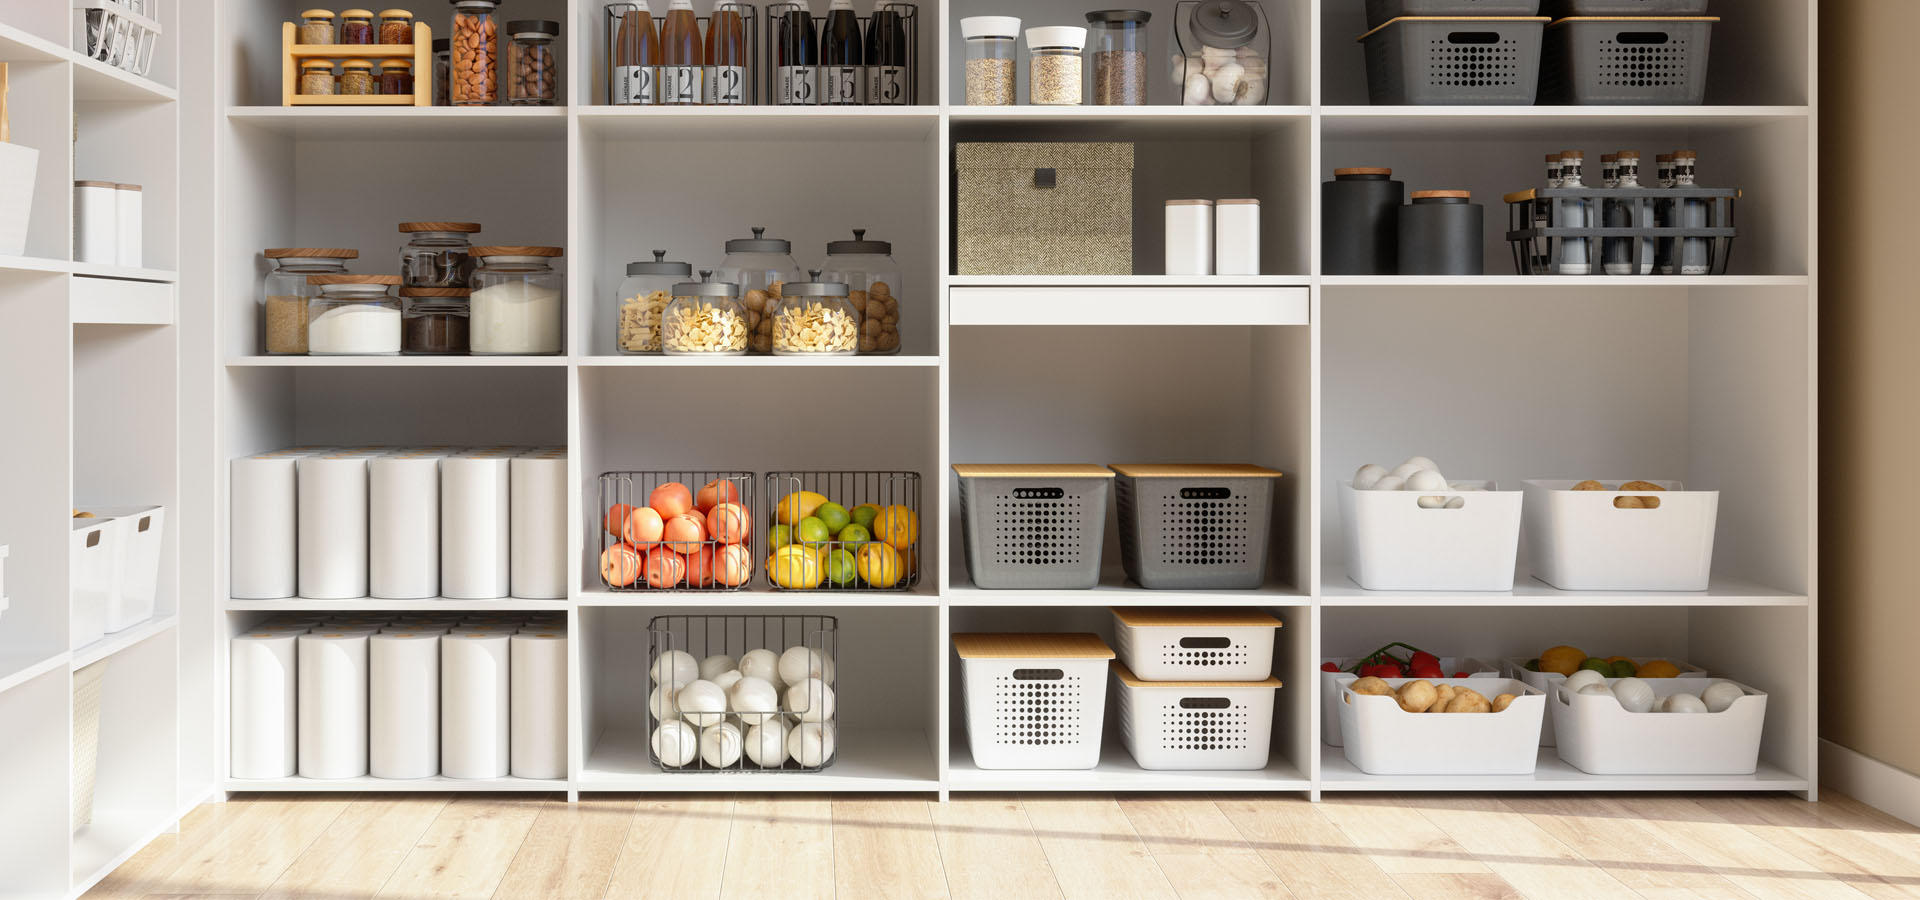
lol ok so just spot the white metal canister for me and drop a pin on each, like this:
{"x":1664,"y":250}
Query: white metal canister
{"x":96,"y":222}
{"x":1189,"y":237}
{"x":1236,"y":237}
{"x":127,"y":218}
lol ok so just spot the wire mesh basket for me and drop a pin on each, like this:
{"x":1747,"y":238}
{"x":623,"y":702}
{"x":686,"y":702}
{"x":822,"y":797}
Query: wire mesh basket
{"x":810,"y":547}
{"x":718,"y":695}
{"x":1702,"y":249}
{"x":121,"y":33}
{"x":644,"y":548}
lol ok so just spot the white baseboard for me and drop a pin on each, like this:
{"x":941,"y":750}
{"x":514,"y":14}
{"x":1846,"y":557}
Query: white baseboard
{"x":1893,"y":791}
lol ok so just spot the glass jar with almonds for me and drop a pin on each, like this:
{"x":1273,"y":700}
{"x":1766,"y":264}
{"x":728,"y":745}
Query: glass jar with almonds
{"x":642,"y":300}
{"x":704,"y":319}
{"x":815,"y":318}
{"x":870,"y":274}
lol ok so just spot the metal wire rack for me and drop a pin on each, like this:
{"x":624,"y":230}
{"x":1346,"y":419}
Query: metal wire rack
{"x":722,"y":561}
{"x":885,"y":558}
{"x":763,"y":738}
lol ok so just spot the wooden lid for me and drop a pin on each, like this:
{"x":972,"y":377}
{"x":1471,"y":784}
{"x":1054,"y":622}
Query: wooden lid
{"x":126,"y":187}
{"x":1363,"y":171}
{"x":435,"y":292}
{"x":1660,"y":19}
{"x":1130,"y":680}
{"x":395,"y":14}
{"x":1031,"y":646}
{"x":1518,"y":196}
{"x":357,"y":13}
{"x":353,"y":279}
{"x":310,"y":254}
{"x":104,"y":184}
{"x":317,"y":64}
{"x":1189,"y":202}
{"x":1149,"y":616}
{"x":464,"y":227}
{"x":1193,"y":470}
{"x":1031,"y":470}
{"x":509,"y":250}
{"x":1244,"y":201}
{"x":356,"y":64}
{"x":1430,"y":195}
{"x":397,"y":64}
{"x":317,"y":14}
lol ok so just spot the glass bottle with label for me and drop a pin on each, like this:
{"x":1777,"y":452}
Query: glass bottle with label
{"x":1693,"y":214}
{"x":1573,"y":212}
{"x":796,"y":56}
{"x":889,"y":63}
{"x":726,"y":54}
{"x":1631,"y":213}
{"x":680,"y":56}
{"x":1663,"y":214}
{"x":636,"y":57}
{"x":843,"y":65}
{"x":1542,"y":219}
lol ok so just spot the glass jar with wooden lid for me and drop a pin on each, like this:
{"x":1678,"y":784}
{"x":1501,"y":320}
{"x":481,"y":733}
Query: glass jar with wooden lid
{"x":437,"y":254}
{"x":396,"y":26}
{"x":517,"y":303}
{"x":316,"y":78}
{"x":316,"y":27}
{"x":356,"y":77}
{"x":354,"y":315}
{"x":396,"y":77}
{"x":434,"y":321}
{"x":356,"y":26}
{"x":283,"y":304}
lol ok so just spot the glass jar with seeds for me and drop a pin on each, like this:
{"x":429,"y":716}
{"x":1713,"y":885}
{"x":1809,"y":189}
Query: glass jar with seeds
{"x":356,"y":26}
{"x":316,"y":77}
{"x":283,"y":305}
{"x":356,"y":77}
{"x":1053,"y":65}
{"x":815,"y":318}
{"x":991,"y":69}
{"x":396,"y":26}
{"x":316,"y":27}
{"x":1119,"y":50}
{"x":396,"y":77}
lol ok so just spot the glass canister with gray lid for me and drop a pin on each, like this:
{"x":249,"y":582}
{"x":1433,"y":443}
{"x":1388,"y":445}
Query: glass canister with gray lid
{"x":760,"y":266}
{"x":815,"y":318}
{"x":643,"y":299}
{"x":705,"y":319}
{"x":872,"y":277}
{"x":437,"y":254}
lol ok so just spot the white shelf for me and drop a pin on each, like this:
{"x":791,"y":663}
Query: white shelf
{"x":121,"y":640}
{"x":405,"y":123}
{"x":1116,"y":772}
{"x":1564,"y":282}
{"x":126,"y":273}
{"x":789,"y":123}
{"x":1479,"y":123}
{"x":866,"y":761}
{"x":1338,"y":590}
{"x":111,"y":839}
{"x":405,"y":362}
{"x":368,"y":604}
{"x":370,"y":783}
{"x":95,"y":80}
{"x":1154,"y":281}
{"x":1551,"y":774}
{"x":758,"y":596}
{"x":773,"y":362}
{"x":19,"y":668}
{"x":1123,"y":302}
{"x":1115,"y":590}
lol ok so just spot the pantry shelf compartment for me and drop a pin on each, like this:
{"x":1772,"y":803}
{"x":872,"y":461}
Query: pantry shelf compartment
{"x":1592,"y":540}
{"x":1538,"y":250}
{"x":798,"y":732}
{"x":820,"y":554}
{"x":1195,"y":527}
{"x":1033,"y":701}
{"x":708,"y":549}
{"x":1196,"y":725}
{"x":1182,"y":644}
{"x":1383,"y":739}
{"x":293,"y":54}
{"x":1033,"y":527}
{"x":1599,"y":736}
{"x":1395,"y":543}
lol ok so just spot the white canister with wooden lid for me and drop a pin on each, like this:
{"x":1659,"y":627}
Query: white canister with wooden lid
{"x":1236,"y":237}
{"x":1189,"y":237}
{"x":96,"y":229}
{"x":127,"y":224}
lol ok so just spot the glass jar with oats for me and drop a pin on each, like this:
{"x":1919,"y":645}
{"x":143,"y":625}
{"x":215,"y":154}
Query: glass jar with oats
{"x":815,"y":318}
{"x":704,"y":319}
{"x":643,"y":299}
{"x":991,"y":68}
{"x":1053,"y":65}
{"x":283,"y":307}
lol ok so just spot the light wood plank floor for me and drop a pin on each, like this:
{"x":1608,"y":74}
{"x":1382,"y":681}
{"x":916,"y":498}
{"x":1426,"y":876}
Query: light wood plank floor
{"x":997,"y":847}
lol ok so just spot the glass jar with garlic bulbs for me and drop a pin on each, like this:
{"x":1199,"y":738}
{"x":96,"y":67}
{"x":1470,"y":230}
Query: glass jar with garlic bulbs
{"x":1223,"y":48}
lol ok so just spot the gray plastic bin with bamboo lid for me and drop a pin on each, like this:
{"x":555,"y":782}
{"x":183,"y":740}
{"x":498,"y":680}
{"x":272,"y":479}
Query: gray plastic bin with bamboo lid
{"x":1195,"y":527}
{"x":1033,"y":526}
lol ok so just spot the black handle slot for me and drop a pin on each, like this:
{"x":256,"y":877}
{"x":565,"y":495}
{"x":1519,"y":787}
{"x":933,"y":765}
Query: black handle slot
{"x":1209,"y":493}
{"x":1640,"y":37}
{"x":1045,"y":178}
{"x":1205,"y":703}
{"x":1473,"y":37}
{"x":1038,"y":674}
{"x":1205,"y":643}
{"x":145,"y":522}
{"x":1051,"y":493}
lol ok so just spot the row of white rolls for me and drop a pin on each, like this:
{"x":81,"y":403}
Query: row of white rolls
{"x":461,"y":696}
{"x":339,"y":523}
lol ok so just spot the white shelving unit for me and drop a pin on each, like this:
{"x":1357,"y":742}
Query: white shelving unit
{"x":1705,"y":379}
{"x":90,"y":358}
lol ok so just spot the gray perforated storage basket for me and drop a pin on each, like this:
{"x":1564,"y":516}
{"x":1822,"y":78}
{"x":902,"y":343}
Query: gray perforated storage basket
{"x":1469,"y":60}
{"x":1627,"y":61}
{"x":1379,"y":11}
{"x":1195,"y":527}
{"x":1033,"y":527}
{"x":1559,"y":8}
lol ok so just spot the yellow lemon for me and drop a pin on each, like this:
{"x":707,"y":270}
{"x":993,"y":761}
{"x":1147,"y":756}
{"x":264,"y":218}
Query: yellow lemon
{"x":1562,"y":660}
{"x":879,"y":565}
{"x":798,"y":505}
{"x":1659,"y":668}
{"x":897,"y":526}
{"x":794,"y":567}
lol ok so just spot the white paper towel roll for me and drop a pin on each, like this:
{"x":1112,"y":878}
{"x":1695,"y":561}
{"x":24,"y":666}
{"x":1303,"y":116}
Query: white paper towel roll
{"x":403,"y":727}
{"x":474,"y":530}
{"x":540,"y":705}
{"x":539,"y":527}
{"x":489,"y":628}
{"x":403,"y":530}
{"x":333,"y":705}
{"x":414,"y":628}
{"x":262,"y":499}
{"x":263,"y":671}
{"x":333,"y":527}
{"x":474,"y":705}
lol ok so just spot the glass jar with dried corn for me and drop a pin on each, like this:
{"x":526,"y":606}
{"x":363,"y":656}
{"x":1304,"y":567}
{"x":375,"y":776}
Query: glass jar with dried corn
{"x":704,"y":319}
{"x":815,"y":318}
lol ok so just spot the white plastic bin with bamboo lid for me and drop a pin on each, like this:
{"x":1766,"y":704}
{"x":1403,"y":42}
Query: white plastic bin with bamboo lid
{"x":1034,"y":701}
{"x":1196,"y":724}
{"x":1175,"y":644}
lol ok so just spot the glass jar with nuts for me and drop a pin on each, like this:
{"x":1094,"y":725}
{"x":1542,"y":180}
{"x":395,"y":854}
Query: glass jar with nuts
{"x":815,"y":318}
{"x":704,"y":319}
{"x":643,"y":299}
{"x":760,"y":266}
{"x":870,"y":274}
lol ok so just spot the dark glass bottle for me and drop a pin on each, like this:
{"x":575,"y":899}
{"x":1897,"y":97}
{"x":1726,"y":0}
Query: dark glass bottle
{"x":842,"y":57}
{"x":888,"y":83}
{"x":799,"y":58}
{"x":680,"y":56}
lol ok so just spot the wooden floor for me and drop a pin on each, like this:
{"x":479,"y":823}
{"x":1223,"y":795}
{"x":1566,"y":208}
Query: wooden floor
{"x":793,"y":847}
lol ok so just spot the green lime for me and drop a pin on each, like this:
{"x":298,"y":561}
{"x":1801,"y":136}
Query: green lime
{"x":864,"y":514}
{"x":1533,"y":665}
{"x":1598,"y":665}
{"x":1624,"y":668}
{"x":840,"y":568}
{"x":813,"y":531}
{"x":780,"y":536}
{"x":855,"y":533}
{"x":835,"y":515}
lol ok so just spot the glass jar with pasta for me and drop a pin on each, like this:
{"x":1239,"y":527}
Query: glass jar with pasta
{"x":704,"y":319}
{"x":643,"y":299}
{"x":815,"y":318}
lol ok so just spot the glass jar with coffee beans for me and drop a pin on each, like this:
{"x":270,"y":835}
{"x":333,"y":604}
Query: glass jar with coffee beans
{"x":434,"y":321}
{"x":1118,"y":39}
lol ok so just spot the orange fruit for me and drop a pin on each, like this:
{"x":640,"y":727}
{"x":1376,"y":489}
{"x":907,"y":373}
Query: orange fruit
{"x":671,"y":499}
{"x":620,"y":565}
{"x":1659,"y":668}
{"x":1562,"y":660}
{"x":897,"y":526}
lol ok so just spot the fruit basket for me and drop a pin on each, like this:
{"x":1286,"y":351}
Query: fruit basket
{"x":1201,"y":527}
{"x":1515,"y":667}
{"x":676,"y":531}
{"x":1033,"y":701}
{"x":1395,"y":543}
{"x":746,"y":693}
{"x":1033,"y":527}
{"x":1583,"y":540}
{"x":1353,"y":666}
{"x":1169,"y":644}
{"x":843,"y":531}
{"x":1599,"y":736}
{"x":1383,"y":739}
{"x":1197,"y":725}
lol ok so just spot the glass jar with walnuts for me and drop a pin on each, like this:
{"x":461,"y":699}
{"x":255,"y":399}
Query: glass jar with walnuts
{"x":868,"y":270}
{"x":760,"y":266}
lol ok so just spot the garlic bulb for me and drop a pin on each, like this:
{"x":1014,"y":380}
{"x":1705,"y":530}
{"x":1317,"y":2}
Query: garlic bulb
{"x":812,"y":700}
{"x":767,"y":743}
{"x":1227,"y":86}
{"x":1198,"y":91}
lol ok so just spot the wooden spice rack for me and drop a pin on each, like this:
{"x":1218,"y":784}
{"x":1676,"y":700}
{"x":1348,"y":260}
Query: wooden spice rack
{"x":420,"y":51}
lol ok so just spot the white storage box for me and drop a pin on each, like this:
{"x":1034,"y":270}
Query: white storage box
{"x":86,"y":739}
{"x":1172,"y":644}
{"x":93,"y":574}
{"x":1330,"y":688}
{"x":142,"y":530}
{"x":1598,"y":736}
{"x":1383,"y":739}
{"x":1394,"y":544}
{"x":1581,"y":542}
{"x":1515,"y":667}
{"x":17,"y":167}
{"x":1196,"y":724}
{"x":1034,"y":701}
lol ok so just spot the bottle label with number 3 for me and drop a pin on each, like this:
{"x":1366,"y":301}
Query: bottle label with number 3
{"x":887,"y":86}
{"x":799,"y":86}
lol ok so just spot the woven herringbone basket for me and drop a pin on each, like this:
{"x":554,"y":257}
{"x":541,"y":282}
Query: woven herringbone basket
{"x":1011,"y":222}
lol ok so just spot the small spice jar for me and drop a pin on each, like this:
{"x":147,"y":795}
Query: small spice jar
{"x":396,"y":77}
{"x":396,"y":26}
{"x":869,"y":272}
{"x":356,"y":26}
{"x":991,"y":70}
{"x":442,"y":69}
{"x":704,"y":319}
{"x":283,"y":305}
{"x":1119,"y":44}
{"x":437,"y":254}
{"x":517,"y":302}
{"x":354,"y":315}
{"x":356,"y":77}
{"x":434,"y":321}
{"x":316,"y":27}
{"x":643,"y":298}
{"x":815,"y":318}
{"x":316,"y":77}
{"x":530,"y":62}
{"x":1053,"y":65}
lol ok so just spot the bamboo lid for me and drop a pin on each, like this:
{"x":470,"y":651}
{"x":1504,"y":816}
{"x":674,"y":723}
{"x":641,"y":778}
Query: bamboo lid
{"x":1395,"y":21}
{"x":1130,"y":680}
{"x":310,"y":253}
{"x":435,"y":292}
{"x":1363,"y":171}
{"x":1660,"y":19}
{"x":126,"y":187}
{"x":1031,"y":646}
{"x":1443,"y":195}
{"x":353,"y":279}
{"x":104,"y":184}
{"x":464,"y":227}
{"x":1189,"y":202}
{"x":510,"y":250}
{"x":1193,"y":470}
{"x":326,"y":64}
{"x":1249,"y":201}
{"x":1031,"y":470}
{"x":1151,"y":616}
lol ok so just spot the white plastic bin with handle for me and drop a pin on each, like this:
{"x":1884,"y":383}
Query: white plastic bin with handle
{"x":1175,"y":644}
{"x":1515,"y":667}
{"x":142,"y":531}
{"x":1600,"y":737}
{"x":1198,"y":725}
{"x":1330,"y":688}
{"x":1383,"y":739}
{"x":1467,"y":542}
{"x":1034,"y":701}
{"x":1580,"y":541}
{"x":18,"y":164}
{"x":93,"y":571}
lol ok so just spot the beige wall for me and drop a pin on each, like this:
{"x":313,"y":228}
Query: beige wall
{"x":1870,"y":377}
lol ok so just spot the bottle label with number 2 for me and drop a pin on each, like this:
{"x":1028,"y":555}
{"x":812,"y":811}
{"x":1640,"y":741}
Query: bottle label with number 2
{"x":633,"y":84}
{"x":726,"y":85}
{"x":681,"y":85}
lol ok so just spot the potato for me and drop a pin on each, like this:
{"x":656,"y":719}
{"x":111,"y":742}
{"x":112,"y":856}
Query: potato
{"x":1372,"y":687}
{"x":1589,"y":485}
{"x":1641,"y":486}
{"x":1416,"y":696}
{"x":1503,"y":701}
{"x":1629,"y":503}
{"x":1441,"y":697}
{"x":1468,"y":700}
